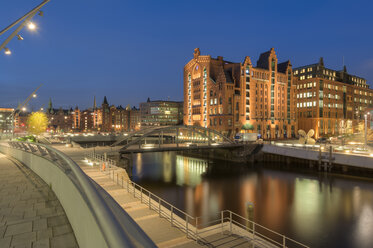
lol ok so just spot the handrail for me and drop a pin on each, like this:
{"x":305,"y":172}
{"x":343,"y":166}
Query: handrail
{"x":156,"y":203}
{"x":111,"y":229}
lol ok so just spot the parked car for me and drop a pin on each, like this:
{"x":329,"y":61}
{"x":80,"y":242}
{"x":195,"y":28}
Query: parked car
{"x":323,"y":140}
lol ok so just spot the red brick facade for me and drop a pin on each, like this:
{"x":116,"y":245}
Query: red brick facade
{"x":230,"y":97}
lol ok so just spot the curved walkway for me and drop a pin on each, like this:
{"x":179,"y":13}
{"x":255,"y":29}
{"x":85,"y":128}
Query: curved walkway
{"x":30,"y":213}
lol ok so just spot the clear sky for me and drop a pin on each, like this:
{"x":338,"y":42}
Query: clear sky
{"x":131,"y":50}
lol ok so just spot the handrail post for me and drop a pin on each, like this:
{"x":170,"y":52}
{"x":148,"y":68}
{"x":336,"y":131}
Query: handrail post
{"x":150,"y":207}
{"x":134,"y":192}
{"x":222,"y":220}
{"x":172,"y":212}
{"x":283,"y":241}
{"x":254,"y":231}
{"x":140,"y":194}
{"x":197,"y":229}
{"x":159,"y":207}
{"x":230,"y":221}
{"x":186,"y":225}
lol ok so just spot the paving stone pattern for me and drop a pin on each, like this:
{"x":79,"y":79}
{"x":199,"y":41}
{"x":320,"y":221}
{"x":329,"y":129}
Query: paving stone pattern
{"x":30,"y":214}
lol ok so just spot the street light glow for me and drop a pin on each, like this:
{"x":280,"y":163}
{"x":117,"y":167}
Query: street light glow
{"x":34,"y":95}
{"x":31,"y":26}
{"x":23,"y":109}
{"x":7,"y":51}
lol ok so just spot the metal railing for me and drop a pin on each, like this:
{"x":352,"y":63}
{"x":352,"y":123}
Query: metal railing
{"x":111,"y":229}
{"x":199,"y":227}
{"x":347,"y":149}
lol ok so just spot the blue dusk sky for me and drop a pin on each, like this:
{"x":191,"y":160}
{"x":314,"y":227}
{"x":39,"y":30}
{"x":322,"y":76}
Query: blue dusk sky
{"x":131,"y":50}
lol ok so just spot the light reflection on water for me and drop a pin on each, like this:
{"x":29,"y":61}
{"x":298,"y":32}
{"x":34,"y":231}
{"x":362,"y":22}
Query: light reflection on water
{"x":320,"y":211}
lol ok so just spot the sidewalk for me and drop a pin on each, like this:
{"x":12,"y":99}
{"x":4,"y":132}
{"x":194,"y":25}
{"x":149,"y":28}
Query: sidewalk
{"x":30,"y":213}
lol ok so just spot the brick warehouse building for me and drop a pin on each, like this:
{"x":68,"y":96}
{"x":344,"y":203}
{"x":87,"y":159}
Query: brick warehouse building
{"x":330,"y":102}
{"x":228,"y":96}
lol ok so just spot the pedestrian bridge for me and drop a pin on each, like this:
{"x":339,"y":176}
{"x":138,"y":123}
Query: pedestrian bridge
{"x":176,"y":135}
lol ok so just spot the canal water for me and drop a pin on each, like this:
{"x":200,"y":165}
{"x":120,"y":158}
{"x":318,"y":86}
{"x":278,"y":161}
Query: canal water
{"x":316,"y":209}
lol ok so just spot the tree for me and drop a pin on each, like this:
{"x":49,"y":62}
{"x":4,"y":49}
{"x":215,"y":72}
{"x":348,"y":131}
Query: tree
{"x":37,"y":123}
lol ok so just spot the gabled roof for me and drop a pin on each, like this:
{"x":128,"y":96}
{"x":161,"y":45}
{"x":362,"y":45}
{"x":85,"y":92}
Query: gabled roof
{"x":263,"y":60}
{"x":281,"y":67}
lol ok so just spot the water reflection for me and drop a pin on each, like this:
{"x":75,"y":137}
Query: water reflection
{"x":189,"y":170}
{"x":320,"y":211}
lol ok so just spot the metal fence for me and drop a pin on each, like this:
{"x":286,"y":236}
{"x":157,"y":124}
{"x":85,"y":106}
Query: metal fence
{"x":200,"y":227}
{"x":115,"y":236}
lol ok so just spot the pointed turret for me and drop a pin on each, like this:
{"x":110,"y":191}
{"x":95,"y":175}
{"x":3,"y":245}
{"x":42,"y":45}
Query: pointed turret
{"x":148,"y":99}
{"x":94,"y":103}
{"x":321,"y":61}
{"x":49,"y":110}
{"x":105,"y":101}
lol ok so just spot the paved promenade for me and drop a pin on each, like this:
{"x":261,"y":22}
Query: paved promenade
{"x":158,"y":229}
{"x":30,"y":213}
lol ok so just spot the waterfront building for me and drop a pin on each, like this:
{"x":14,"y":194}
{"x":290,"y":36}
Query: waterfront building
{"x":235,"y":97}
{"x":87,"y":120}
{"x":117,"y":119}
{"x":60,"y":120}
{"x":135,"y":119}
{"x":329,"y":101}
{"x":6,"y":120}
{"x":161,"y":113}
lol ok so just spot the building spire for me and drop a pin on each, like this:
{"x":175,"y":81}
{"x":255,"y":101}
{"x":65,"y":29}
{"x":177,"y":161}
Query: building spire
{"x":105,"y":101}
{"x":50,"y":107}
{"x":94,"y":102}
{"x":321,"y":61}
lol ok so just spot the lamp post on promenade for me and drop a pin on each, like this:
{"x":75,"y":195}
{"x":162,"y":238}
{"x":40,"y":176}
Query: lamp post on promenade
{"x":365,"y":129}
{"x":22,"y":107}
{"x":24,"y":20}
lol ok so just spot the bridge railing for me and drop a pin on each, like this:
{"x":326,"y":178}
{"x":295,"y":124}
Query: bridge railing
{"x":200,"y":227}
{"x":92,"y":219}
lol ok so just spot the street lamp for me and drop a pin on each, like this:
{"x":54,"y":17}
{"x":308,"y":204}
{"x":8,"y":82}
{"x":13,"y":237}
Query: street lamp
{"x":7,"y":51}
{"x":365,"y":128}
{"x":31,"y":26}
{"x":24,"y":20}
{"x":21,"y":107}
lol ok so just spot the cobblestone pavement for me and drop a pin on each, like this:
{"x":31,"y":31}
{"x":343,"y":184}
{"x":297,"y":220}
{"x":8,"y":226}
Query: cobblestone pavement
{"x":30,"y":214}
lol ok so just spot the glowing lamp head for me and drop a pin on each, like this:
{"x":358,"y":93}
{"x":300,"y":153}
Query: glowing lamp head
{"x":23,"y":109}
{"x":7,"y":51}
{"x":34,"y":95}
{"x":31,"y":26}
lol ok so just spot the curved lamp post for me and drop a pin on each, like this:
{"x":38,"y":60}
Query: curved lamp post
{"x":24,"y":20}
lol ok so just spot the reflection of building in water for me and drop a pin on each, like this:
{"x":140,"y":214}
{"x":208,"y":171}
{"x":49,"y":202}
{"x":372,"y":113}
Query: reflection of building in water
{"x":189,"y":170}
{"x":139,"y":164}
{"x":167,"y":167}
